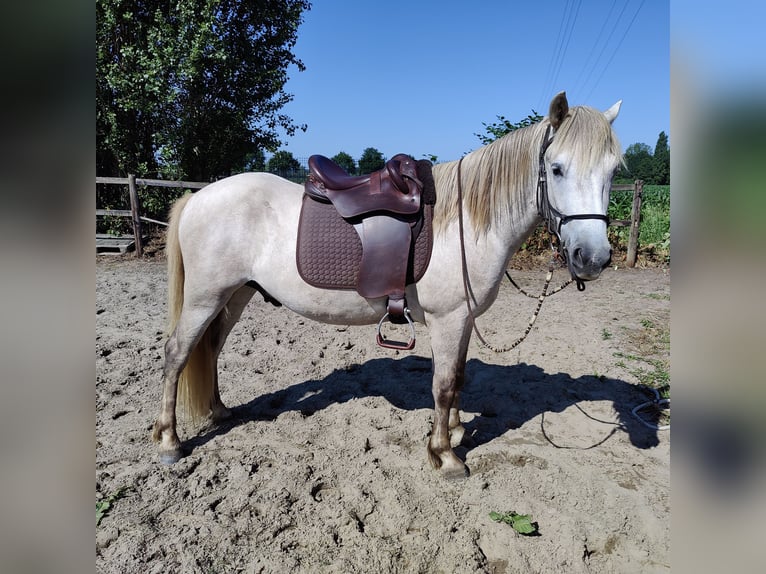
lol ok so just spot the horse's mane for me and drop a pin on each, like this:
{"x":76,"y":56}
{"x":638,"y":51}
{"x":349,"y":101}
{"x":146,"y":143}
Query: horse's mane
{"x":497,"y":177}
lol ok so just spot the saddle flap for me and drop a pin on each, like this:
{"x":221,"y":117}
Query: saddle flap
{"x":385,"y":256}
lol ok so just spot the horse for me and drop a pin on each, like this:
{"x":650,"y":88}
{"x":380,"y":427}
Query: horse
{"x":228,"y":242}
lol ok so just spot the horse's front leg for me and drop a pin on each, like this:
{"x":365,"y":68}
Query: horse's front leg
{"x":449,"y":345}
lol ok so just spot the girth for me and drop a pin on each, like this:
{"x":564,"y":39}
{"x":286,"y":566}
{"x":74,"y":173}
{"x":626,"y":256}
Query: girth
{"x":388,"y":211}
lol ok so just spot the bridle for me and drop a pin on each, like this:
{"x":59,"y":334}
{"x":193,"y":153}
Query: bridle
{"x":550,"y":214}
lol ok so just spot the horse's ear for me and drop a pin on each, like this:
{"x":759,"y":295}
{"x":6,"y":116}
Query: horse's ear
{"x":559,"y":109}
{"x":612,"y":112}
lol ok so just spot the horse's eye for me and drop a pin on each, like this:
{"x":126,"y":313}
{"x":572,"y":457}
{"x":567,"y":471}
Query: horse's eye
{"x":556,"y":169}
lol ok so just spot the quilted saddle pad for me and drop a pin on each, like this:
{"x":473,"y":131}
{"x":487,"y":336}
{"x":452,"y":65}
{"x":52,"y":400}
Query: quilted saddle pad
{"x":329,"y":249}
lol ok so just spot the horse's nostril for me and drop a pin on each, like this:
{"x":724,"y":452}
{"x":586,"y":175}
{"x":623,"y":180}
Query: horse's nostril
{"x":577,"y":255}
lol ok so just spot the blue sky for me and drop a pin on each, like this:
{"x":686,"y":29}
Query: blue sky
{"x":422,"y":77}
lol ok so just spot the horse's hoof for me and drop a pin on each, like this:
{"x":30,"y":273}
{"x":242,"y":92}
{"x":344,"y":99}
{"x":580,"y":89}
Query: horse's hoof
{"x":171,"y":456}
{"x":456,"y":474}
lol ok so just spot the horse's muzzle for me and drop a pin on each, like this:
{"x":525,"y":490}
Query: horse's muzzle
{"x":587,"y":264}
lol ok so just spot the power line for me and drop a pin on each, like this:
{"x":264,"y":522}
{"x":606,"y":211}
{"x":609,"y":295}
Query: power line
{"x":599,"y":37}
{"x":566,"y":46}
{"x":617,"y":49}
{"x":557,"y":50}
{"x":603,"y":48}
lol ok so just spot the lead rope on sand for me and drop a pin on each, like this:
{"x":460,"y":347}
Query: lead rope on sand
{"x":540,"y":299}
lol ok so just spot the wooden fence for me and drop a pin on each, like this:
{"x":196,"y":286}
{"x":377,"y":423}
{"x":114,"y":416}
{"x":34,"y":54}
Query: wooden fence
{"x":135,"y":209}
{"x":135,"y":206}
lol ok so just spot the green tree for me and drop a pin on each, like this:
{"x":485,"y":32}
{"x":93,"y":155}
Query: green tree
{"x":191,"y":88}
{"x":284,"y":164}
{"x":661,"y":173}
{"x":504,"y":126}
{"x":255,"y":161}
{"x":371,"y":160}
{"x":639,"y":163}
{"x":345,"y":161}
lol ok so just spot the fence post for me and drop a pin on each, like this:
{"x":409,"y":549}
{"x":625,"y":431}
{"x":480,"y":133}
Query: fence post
{"x":135,"y":213}
{"x":635,"y":222}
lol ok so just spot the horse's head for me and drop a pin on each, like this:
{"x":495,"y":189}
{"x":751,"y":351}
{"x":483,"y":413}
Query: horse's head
{"x":579,"y":159}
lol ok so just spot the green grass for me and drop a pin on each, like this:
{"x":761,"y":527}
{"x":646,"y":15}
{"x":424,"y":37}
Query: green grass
{"x":654,"y":230}
{"x":648,"y":355}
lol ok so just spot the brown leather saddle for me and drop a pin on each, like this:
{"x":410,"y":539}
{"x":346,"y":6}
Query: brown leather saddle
{"x":371,"y":233}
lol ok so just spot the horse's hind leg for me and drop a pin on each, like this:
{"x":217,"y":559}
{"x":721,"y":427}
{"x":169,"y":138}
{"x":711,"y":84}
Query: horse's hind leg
{"x":229,"y":316}
{"x":190,"y":329}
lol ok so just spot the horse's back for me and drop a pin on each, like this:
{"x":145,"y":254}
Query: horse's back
{"x":233,"y":220}
{"x":251,"y":189}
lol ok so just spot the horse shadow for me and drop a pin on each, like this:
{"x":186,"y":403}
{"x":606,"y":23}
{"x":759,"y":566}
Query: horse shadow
{"x":502,"y":397}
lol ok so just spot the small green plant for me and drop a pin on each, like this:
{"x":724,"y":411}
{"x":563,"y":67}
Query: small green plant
{"x":606,"y":335}
{"x":659,"y":296}
{"x":658,"y":377}
{"x":103,"y":506}
{"x":521,"y":523}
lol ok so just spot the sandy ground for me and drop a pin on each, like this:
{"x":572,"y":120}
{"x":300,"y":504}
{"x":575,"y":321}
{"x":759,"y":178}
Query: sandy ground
{"x":323,"y":467}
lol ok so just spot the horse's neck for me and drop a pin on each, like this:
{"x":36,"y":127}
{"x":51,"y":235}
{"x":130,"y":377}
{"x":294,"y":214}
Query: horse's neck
{"x":492,"y":250}
{"x":505,"y":237}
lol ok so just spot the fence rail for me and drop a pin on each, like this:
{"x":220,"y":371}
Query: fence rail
{"x":134,"y":213}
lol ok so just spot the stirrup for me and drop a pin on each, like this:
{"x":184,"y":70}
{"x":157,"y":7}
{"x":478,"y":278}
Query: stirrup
{"x":388,"y":344}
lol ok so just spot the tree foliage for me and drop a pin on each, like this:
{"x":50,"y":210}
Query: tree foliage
{"x":283,"y":163}
{"x":641,"y":163}
{"x":191,"y":89}
{"x":504,"y":126}
{"x":345,"y":161}
{"x":371,"y":160}
{"x":661,"y":158}
{"x":255,"y":161}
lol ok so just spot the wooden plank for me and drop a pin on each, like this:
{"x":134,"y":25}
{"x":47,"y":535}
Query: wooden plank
{"x":166,"y":183}
{"x":135,"y":214}
{"x":112,"y":180}
{"x":112,"y":244}
{"x":624,"y":187}
{"x":115,"y":212}
{"x":153,"y":182}
{"x":127,"y":213}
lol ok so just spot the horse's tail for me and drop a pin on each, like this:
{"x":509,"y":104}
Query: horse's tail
{"x":196,"y":382}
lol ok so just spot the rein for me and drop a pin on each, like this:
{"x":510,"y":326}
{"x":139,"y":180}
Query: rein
{"x":467,"y":291}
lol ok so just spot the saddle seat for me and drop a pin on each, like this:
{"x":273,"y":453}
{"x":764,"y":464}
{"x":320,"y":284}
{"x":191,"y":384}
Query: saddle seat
{"x":395,"y":188}
{"x":332,"y":175}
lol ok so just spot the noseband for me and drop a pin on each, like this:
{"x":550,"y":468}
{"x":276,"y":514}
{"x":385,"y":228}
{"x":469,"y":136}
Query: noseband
{"x":549,"y":214}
